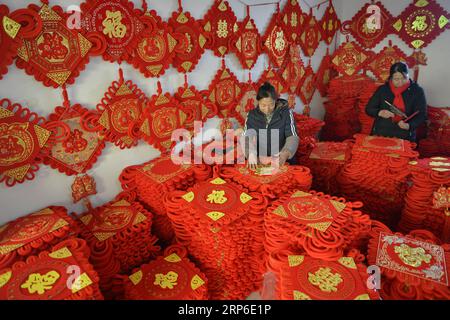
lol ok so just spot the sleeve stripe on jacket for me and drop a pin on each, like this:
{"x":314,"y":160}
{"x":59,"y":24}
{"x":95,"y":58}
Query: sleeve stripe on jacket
{"x":294,"y":132}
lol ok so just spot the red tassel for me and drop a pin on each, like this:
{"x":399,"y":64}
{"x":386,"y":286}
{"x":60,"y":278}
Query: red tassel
{"x":180,"y":7}
{"x":144,"y":6}
{"x":159,"y":87}
{"x":66,"y":102}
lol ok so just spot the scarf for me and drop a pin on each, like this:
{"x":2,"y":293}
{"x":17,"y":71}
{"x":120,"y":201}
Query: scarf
{"x":398,"y":98}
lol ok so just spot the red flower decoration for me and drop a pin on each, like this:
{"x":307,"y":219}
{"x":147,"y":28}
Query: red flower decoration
{"x":156,"y":50}
{"x":292,"y":20}
{"x":119,"y":23}
{"x":57,"y":54}
{"x":370,"y":25}
{"x":350,"y":58}
{"x":310,"y":36}
{"x":191,"y":41}
{"x":382,"y":62}
{"x":220,"y":26}
{"x":329,"y":24}
{"x":247,"y":43}
{"x":276,"y":43}
{"x":421,"y":22}
{"x":224,"y":91}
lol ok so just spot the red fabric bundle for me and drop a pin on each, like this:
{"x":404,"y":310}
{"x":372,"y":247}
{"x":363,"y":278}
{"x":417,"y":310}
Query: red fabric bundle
{"x":419,"y":212}
{"x":119,"y":236}
{"x":326,"y":162}
{"x":319,"y":225}
{"x":171,"y":276}
{"x":270,"y":184}
{"x":156,"y":178}
{"x":413,"y":267}
{"x":29,"y":235}
{"x":342,"y":110}
{"x":308,"y":130}
{"x":61,"y":274}
{"x":366,"y":94}
{"x":437,"y":142}
{"x":377,"y":173}
{"x":221,"y":224}
{"x":302,"y":277}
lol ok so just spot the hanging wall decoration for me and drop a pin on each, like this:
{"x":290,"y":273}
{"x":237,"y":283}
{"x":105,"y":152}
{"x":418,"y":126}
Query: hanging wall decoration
{"x":325,"y":74}
{"x":368,"y":27}
{"x":294,"y":70}
{"x":292,"y":20}
{"x":247,"y":101}
{"x":156,"y":50}
{"x":421,"y":22}
{"x":329,"y":24}
{"x":381,"y":64}
{"x":120,"y":113}
{"x":119,"y":23}
{"x":191,"y":40}
{"x":270,"y":75}
{"x":276,"y":43}
{"x":310,"y":36}
{"x":220,"y":25}
{"x":224,"y":91}
{"x":161,"y":117}
{"x":79,"y":151}
{"x":25,"y":142}
{"x":350,"y":58}
{"x":247,"y":43}
{"x":307,"y":87}
{"x":57,"y":54}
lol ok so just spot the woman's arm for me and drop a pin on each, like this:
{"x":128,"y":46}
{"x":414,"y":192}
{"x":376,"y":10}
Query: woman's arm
{"x":420,"y":104}
{"x":373,"y":106}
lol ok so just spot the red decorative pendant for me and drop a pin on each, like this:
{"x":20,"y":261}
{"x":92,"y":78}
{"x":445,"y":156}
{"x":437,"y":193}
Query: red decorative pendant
{"x":294,"y":70}
{"x":25,"y":142}
{"x":329,"y":24}
{"x":156,"y":50}
{"x":421,"y":22}
{"x":57,"y":54}
{"x":79,"y":151}
{"x":247,"y":101}
{"x":161,"y":117}
{"x":121,"y":113}
{"x":382,"y":62}
{"x":220,"y":25}
{"x":370,"y":25}
{"x":292,"y":20}
{"x":325,"y":74}
{"x":271,"y":76}
{"x":191,"y":41}
{"x":83,"y":187}
{"x":276,"y":44}
{"x":224,"y":91}
{"x":307,"y":86}
{"x":119,"y":23}
{"x":350,"y":58}
{"x":310,"y":36}
{"x":247,"y":43}
{"x":194,"y":106}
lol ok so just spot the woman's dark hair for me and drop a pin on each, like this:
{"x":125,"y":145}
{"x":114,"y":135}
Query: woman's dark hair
{"x":267,"y":91}
{"x":399,"y":67}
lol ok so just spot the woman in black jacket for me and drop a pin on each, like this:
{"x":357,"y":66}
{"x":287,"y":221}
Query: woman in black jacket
{"x":404,"y":94}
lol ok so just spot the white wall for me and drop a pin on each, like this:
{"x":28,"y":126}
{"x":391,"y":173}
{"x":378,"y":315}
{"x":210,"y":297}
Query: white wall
{"x":53,"y":188}
{"x":433,"y":77}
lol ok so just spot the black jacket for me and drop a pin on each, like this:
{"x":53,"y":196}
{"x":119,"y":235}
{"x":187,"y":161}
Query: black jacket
{"x":414,"y":98}
{"x":282,"y":120}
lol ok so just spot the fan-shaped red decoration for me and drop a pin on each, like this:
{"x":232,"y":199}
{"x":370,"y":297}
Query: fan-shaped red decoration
{"x":310,"y":36}
{"x":220,"y":25}
{"x":370,"y":25}
{"x":156,"y":50}
{"x":25,"y":142}
{"x":325,"y":74}
{"x":307,"y":86}
{"x":120,"y":112}
{"x":329,"y":24}
{"x":292,"y":20}
{"x":294,"y":70}
{"x":191,"y":41}
{"x":270,"y":75}
{"x":83,"y":187}
{"x":57,"y":54}
{"x":224,"y":91}
{"x":421,"y":22}
{"x":276,"y":43}
{"x":161,"y":117}
{"x":382,"y":62}
{"x":247,"y":43}
{"x":119,"y":23}
{"x":350,"y":58}
{"x":79,"y":151}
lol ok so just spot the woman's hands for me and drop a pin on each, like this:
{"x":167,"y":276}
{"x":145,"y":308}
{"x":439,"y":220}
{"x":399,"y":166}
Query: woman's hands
{"x":386,"y":114}
{"x":403,"y":125}
{"x":252,"y":161}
